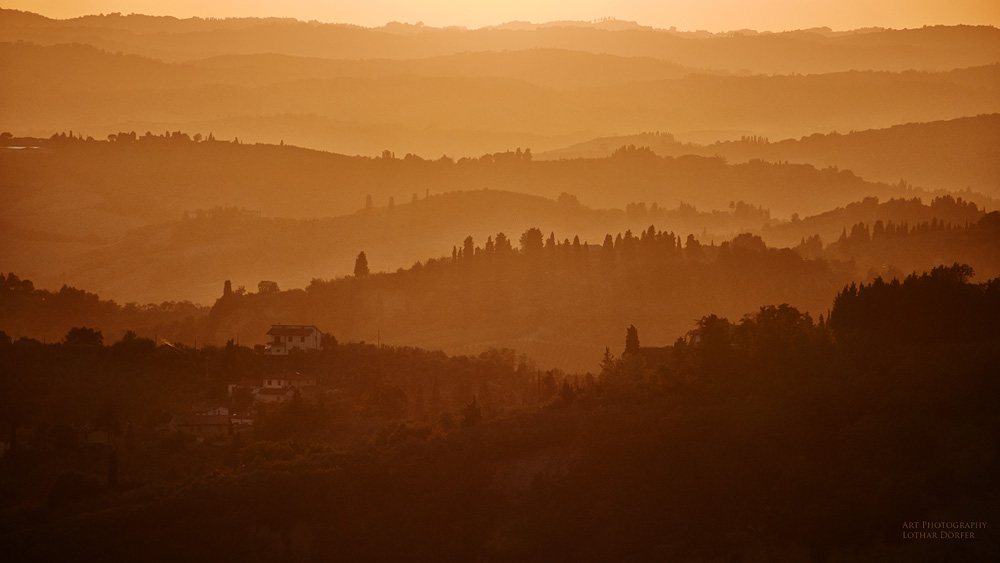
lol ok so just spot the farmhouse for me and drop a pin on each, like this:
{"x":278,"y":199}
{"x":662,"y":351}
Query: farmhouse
{"x":285,"y":338}
{"x":286,"y":380}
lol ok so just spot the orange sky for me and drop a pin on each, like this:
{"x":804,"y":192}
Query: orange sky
{"x":714,"y":15}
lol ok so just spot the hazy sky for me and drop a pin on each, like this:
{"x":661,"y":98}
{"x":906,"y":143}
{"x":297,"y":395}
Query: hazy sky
{"x":714,"y":15}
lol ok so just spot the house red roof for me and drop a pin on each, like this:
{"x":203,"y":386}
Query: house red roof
{"x":285,"y":330}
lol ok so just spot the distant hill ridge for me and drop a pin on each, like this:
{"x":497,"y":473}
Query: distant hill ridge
{"x":813,"y":50}
{"x":458,"y":104}
{"x":948,"y":154}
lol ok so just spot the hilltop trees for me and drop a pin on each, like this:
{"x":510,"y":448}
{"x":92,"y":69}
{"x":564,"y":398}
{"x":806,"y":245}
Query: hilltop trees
{"x":83,"y":337}
{"x":266,"y":287}
{"x":936,"y":306}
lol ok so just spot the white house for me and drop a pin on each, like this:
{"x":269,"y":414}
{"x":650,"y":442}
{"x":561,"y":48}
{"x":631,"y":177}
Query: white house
{"x":289,"y":380}
{"x":285,"y":338}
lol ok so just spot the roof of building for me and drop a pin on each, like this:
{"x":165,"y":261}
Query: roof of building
{"x":292,"y":330}
{"x":200,"y":420}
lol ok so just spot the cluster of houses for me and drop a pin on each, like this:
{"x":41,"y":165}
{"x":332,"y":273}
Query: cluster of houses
{"x":212,"y":422}
{"x":220,"y":422}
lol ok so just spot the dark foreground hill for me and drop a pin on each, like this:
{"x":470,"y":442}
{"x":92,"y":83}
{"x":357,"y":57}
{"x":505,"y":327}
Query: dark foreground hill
{"x":773,"y":437}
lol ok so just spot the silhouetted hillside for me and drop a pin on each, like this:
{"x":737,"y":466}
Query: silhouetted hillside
{"x":87,"y":68}
{"x":805,"y":51}
{"x":127,"y":92}
{"x":149,"y":178}
{"x":48,"y":315}
{"x":487,"y":294}
{"x":819,"y":439}
{"x":957,"y":154}
{"x":188,"y":258}
{"x":913,"y":211}
{"x":891,"y":249}
{"x":552,"y":299}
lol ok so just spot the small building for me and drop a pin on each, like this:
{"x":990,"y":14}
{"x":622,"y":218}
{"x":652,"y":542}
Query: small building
{"x":248,"y":385}
{"x":285,"y":338}
{"x":242,"y":420}
{"x":274,"y":395}
{"x":286,"y":380}
{"x":202,"y":425}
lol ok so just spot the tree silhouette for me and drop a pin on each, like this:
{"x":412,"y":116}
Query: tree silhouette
{"x":267,"y":287}
{"x":361,"y":265}
{"x":531,"y":241}
{"x":503,"y":243}
{"x":468,"y":247}
{"x":84,"y":337}
{"x":631,"y":340}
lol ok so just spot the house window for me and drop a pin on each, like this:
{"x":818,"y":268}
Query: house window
{"x":302,"y":339}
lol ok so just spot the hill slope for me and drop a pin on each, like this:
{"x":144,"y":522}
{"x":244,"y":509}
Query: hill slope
{"x":955,"y":154}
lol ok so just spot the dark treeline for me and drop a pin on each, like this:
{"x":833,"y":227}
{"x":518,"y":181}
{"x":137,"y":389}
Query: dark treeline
{"x":543,"y":293}
{"x":936,"y":307}
{"x":889,"y":249}
{"x":774,"y":437}
{"x":556,"y":299}
{"x":870,"y":210}
{"x":47,"y":315}
{"x":244,"y":246}
{"x":523,"y":294}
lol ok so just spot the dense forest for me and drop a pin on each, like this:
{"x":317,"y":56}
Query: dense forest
{"x":773,"y":437}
